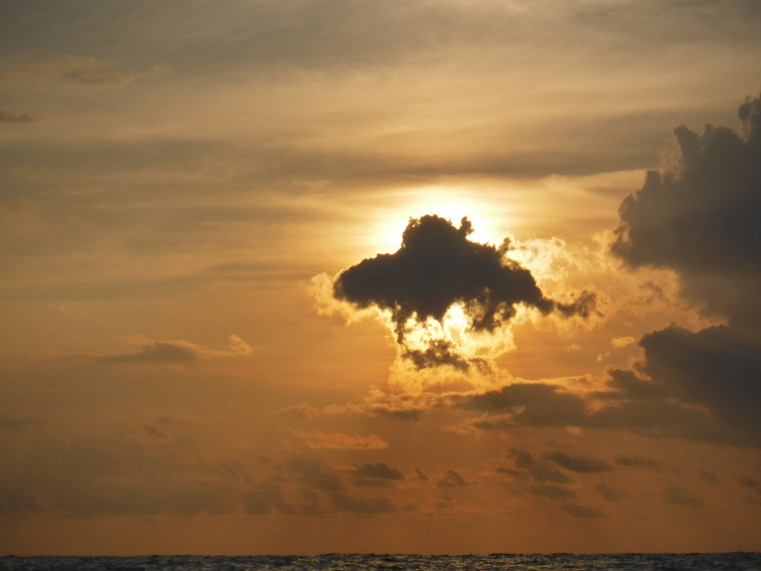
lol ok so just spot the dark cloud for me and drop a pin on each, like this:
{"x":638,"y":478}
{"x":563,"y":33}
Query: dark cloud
{"x":376,"y":474}
{"x":635,"y":409}
{"x":718,"y":367}
{"x":628,"y":461}
{"x":11,"y":117}
{"x":154,"y":352}
{"x":624,"y":384}
{"x":539,"y":470}
{"x":580,"y":464}
{"x":436,"y":268}
{"x":699,"y":218}
{"x":533,"y":404}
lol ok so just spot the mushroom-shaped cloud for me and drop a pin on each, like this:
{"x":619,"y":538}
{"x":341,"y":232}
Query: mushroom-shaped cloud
{"x":437,"y":267}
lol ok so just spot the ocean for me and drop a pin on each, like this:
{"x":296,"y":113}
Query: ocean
{"x":345,"y":562}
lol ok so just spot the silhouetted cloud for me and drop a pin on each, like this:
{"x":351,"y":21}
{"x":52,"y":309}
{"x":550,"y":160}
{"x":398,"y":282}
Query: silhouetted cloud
{"x":436,"y":268}
{"x":718,"y":367}
{"x":699,"y":218}
{"x":581,"y":464}
{"x":154,"y":352}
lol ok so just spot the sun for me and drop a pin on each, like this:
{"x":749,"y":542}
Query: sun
{"x":450,"y":203}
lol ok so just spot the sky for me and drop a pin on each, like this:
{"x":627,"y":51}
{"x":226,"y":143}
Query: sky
{"x":318,"y":276}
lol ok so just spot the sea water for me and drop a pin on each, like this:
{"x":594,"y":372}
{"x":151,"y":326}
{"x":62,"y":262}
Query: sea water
{"x":658,"y":561}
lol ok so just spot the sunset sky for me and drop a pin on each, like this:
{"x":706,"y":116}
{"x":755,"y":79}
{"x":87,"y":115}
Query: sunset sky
{"x":200,"y":352}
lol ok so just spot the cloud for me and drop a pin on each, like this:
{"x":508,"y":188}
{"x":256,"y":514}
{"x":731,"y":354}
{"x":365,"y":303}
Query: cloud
{"x":318,"y":490}
{"x":99,"y":79}
{"x":580,"y":464}
{"x":718,"y":367}
{"x":436,"y":268}
{"x":680,"y":496}
{"x":582,"y":512}
{"x":118,"y":474}
{"x":82,"y":70}
{"x":650,"y":463}
{"x":375,"y":472}
{"x":698,"y":217}
{"x":557,"y":493}
{"x":155,"y":352}
{"x":12,"y":117}
{"x":610,"y":494}
{"x":451,"y":479}
{"x":539,"y":470}
{"x":340,"y":440}
{"x":180,"y":351}
{"x":527,"y":404}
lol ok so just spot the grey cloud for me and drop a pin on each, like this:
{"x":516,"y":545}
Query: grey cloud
{"x":635,"y":410}
{"x":626,"y":384}
{"x":154,"y":352}
{"x":718,"y":367}
{"x":580,"y":464}
{"x":699,"y":218}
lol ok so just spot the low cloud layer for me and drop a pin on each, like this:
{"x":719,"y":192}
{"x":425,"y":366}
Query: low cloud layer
{"x":436,"y":268}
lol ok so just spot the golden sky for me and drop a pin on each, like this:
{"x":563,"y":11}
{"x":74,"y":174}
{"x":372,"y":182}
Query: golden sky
{"x":201,"y":353}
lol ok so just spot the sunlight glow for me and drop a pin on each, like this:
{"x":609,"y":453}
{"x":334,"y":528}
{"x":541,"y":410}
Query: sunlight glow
{"x":451,"y":203}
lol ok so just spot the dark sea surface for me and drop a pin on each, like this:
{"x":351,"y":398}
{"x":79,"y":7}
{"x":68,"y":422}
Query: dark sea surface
{"x":659,"y":561}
